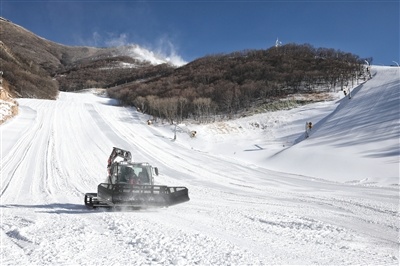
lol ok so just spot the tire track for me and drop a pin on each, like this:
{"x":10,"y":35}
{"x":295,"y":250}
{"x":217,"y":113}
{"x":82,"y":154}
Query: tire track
{"x":17,"y":157}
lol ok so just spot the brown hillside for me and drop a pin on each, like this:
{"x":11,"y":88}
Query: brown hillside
{"x":240,"y":81}
{"x":39,"y":68}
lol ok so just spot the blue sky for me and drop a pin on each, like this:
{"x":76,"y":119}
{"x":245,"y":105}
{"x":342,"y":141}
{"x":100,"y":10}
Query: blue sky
{"x":192,"y":29}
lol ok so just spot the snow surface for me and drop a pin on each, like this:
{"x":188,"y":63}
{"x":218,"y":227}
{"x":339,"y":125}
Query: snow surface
{"x":260,"y":192}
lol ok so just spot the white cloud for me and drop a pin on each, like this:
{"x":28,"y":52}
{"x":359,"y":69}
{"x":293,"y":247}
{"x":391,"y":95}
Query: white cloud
{"x":96,"y":38}
{"x":165,"y":48}
{"x":121,"y":40}
{"x":164,"y":51}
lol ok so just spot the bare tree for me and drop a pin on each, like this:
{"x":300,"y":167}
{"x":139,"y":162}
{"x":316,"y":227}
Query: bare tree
{"x":202,"y":108}
{"x":182,"y":107}
{"x":169,"y":108}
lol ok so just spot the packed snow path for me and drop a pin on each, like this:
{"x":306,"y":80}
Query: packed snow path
{"x":239,"y":213}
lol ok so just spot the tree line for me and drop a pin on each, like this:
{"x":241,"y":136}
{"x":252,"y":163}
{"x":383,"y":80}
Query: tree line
{"x":107,"y":72}
{"x":230,"y":83}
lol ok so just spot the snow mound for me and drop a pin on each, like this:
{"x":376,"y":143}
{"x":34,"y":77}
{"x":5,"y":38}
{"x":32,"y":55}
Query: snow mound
{"x":358,"y":141}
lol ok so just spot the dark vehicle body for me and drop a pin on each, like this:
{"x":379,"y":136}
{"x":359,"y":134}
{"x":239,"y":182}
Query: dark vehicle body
{"x":131,"y":184}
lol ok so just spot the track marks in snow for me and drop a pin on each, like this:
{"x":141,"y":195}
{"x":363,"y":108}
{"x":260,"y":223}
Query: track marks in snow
{"x":155,"y":243}
{"x":20,"y":172}
{"x":16,"y":241}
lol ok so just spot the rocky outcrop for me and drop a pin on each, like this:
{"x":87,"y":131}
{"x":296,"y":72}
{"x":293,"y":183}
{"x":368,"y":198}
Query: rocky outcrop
{"x":8,"y":106}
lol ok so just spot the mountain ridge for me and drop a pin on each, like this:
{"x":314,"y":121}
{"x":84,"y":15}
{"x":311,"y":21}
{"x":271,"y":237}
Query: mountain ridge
{"x":45,"y":60}
{"x":224,"y":84}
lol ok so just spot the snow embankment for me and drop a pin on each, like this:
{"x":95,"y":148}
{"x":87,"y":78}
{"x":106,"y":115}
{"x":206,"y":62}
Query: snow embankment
{"x":357,"y":142}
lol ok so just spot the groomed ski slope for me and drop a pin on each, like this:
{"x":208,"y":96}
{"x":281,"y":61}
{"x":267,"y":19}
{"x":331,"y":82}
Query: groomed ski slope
{"x":359,"y":139}
{"x":260,"y":193}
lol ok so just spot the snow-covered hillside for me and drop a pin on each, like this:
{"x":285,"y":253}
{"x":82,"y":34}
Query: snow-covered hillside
{"x":352,"y":140}
{"x":260,"y":193}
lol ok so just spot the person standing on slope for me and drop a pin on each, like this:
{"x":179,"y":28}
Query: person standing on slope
{"x":308,"y":129}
